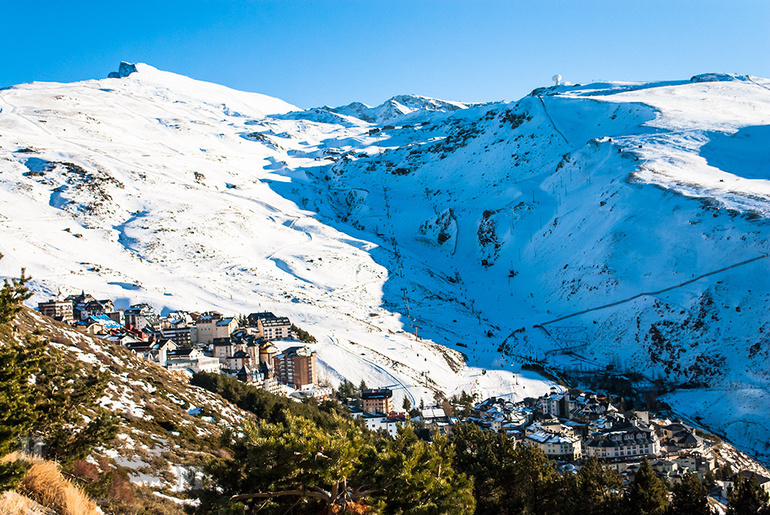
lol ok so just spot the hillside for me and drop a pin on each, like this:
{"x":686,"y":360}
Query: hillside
{"x":616,"y":224}
{"x":166,"y":428}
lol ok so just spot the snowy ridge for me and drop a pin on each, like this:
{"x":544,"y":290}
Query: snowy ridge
{"x":397,"y":108}
{"x":635,"y":210}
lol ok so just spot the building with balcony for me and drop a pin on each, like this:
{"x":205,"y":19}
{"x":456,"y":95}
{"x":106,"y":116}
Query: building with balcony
{"x":377,"y":400}
{"x":296,"y":367}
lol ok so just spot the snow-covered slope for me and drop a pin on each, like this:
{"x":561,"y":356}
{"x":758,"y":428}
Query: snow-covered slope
{"x":396,"y":108}
{"x":156,"y":188}
{"x":607,"y":224}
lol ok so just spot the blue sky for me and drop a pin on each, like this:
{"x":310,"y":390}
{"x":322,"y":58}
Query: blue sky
{"x":335,"y":52}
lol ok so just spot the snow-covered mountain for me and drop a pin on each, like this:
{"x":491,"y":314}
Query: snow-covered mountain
{"x":152,"y":187}
{"x":617,"y":224}
{"x":397,"y":108}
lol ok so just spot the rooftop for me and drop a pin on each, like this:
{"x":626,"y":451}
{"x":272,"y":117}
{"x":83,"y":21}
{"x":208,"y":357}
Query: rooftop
{"x":377,"y":393}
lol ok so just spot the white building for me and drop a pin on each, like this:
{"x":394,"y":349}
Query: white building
{"x":558,"y":447}
{"x":630,"y":442}
{"x":192,"y":360}
{"x":387,"y":423}
{"x":213,"y":325}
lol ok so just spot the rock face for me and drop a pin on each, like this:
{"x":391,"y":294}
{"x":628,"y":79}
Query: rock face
{"x":124,"y":70}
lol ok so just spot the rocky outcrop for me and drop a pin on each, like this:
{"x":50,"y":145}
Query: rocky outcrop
{"x":124,"y":70}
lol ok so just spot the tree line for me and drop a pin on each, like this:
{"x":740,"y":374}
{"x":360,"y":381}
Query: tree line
{"x":314,"y":458}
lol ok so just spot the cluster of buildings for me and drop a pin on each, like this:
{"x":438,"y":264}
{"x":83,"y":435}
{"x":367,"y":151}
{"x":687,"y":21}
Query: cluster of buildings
{"x":570,"y":428}
{"x":375,"y":407}
{"x":567,"y":428}
{"x":198,"y":342}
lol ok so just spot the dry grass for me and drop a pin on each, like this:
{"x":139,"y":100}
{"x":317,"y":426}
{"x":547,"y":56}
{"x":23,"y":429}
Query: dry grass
{"x":13,"y":503}
{"x":45,"y":484}
{"x":18,"y":455}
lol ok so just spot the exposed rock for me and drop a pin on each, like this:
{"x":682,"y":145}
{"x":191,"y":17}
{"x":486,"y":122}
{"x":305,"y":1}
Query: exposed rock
{"x":124,"y":70}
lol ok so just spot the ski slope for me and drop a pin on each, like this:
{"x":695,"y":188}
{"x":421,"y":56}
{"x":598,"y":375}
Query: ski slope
{"x":422,"y":242}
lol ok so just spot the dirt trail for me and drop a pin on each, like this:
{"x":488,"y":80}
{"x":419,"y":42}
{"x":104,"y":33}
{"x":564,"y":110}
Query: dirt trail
{"x":657,"y":292}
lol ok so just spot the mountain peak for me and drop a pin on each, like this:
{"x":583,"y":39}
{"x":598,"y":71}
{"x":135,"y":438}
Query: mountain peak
{"x":124,"y":70}
{"x":397,"y":107}
{"x":148,"y":80}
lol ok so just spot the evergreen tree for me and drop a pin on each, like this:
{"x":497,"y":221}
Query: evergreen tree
{"x":18,"y":364}
{"x":599,"y":489}
{"x":747,"y":497}
{"x":17,"y":391}
{"x":480,"y":454}
{"x":265,"y":405}
{"x":536,"y":480}
{"x":507,"y":479}
{"x":299,"y":466}
{"x":725,"y":472}
{"x":303,"y":335}
{"x":709,"y":480}
{"x":64,"y":393}
{"x":12,"y":294}
{"x":40,"y":395}
{"x":407,"y":405}
{"x":648,"y":494}
{"x":690,"y":497}
{"x":568,"y":499}
{"x":346,"y":390}
{"x":281,"y":464}
{"x":417,"y":477}
{"x":466,"y":401}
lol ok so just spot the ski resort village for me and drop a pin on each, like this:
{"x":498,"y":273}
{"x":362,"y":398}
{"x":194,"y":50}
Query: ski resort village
{"x":184,"y":342}
{"x":268,"y":352}
{"x":217,"y":302}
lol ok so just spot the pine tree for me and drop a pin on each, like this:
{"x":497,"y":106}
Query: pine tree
{"x":709,"y":480}
{"x":41,"y":395}
{"x":690,"y":497}
{"x":536,"y":480}
{"x":64,"y":393}
{"x":298,"y":466}
{"x":12,"y":294}
{"x":508,"y":479}
{"x":747,"y":497}
{"x":599,"y":489}
{"x":283,"y":462}
{"x":481,"y":454}
{"x":346,"y":390}
{"x":417,"y":477}
{"x":648,"y":494}
{"x":725,"y":472}
{"x":18,"y":364}
{"x":407,"y":405}
{"x":568,"y":499}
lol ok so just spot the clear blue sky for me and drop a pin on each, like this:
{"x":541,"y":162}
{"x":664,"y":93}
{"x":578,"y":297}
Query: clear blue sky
{"x":319,"y":52}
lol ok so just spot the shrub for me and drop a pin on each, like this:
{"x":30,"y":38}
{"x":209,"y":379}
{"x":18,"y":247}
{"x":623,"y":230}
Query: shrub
{"x":45,"y":484}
